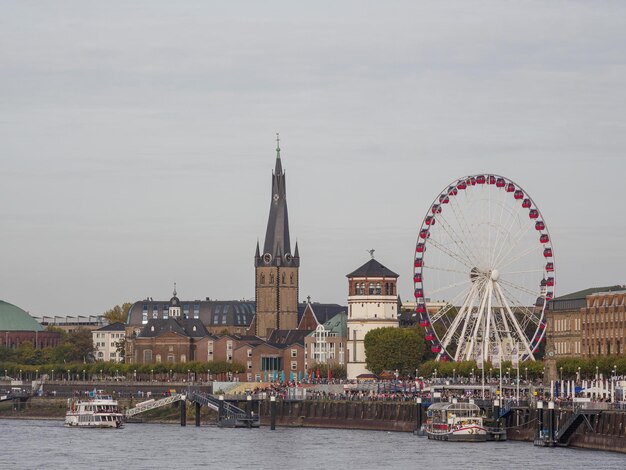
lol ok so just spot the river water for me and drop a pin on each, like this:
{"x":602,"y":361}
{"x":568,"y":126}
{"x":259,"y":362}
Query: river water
{"x":40,"y":444}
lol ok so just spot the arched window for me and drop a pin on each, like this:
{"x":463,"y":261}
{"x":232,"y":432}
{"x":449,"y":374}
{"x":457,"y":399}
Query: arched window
{"x":271,"y":278}
{"x":262,"y":281}
{"x":291,"y":278}
{"x":283,"y":278}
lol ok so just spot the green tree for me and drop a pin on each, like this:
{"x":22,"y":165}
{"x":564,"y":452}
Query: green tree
{"x":78,"y":346}
{"x":119,"y":313}
{"x":394,"y":349}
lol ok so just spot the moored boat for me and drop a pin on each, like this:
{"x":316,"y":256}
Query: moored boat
{"x":96,"y":412}
{"x":459,"y":422}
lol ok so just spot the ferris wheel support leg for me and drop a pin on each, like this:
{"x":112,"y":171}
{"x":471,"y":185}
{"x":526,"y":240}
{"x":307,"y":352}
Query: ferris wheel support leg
{"x":519,"y":331}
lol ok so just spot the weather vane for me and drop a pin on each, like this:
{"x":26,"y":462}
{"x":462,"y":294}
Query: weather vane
{"x":371,"y":252}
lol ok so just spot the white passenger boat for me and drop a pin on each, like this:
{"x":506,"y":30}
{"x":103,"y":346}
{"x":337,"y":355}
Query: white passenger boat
{"x":96,"y":412}
{"x":460,"y":422}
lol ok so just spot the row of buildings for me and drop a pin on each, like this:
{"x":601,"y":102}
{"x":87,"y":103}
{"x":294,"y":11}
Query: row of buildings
{"x":275,"y":333}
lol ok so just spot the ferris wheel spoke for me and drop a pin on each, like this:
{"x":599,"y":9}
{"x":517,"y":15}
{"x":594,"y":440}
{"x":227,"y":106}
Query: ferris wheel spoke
{"x":500,"y":203}
{"x":528,"y":271}
{"x":450,"y":253}
{"x":522,"y":255}
{"x":458,"y":240}
{"x":529,"y":315}
{"x":516,"y":240}
{"x":466,"y":230}
{"x":448,"y":307}
{"x":437,"y":268}
{"x":518,"y":287}
{"x":448,"y":287}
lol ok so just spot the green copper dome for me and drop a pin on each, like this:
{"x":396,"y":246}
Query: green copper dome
{"x":13,"y":318}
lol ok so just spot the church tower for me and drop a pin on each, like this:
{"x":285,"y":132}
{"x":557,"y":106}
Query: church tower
{"x":276,"y":269}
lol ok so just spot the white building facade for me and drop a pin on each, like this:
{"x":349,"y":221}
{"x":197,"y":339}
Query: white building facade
{"x":106,"y":340}
{"x":372,"y":303}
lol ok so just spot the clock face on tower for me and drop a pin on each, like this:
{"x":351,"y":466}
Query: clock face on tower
{"x":288,"y":257}
{"x":267,"y":258}
{"x":275,"y":197}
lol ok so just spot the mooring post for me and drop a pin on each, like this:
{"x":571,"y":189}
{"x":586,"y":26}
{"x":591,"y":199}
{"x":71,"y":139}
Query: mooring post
{"x":418,"y":423}
{"x":272,"y":413}
{"x":183,"y":411}
{"x":551,"y":421}
{"x":198,"y":406}
{"x":496,"y":410}
{"x":220,"y":411}
{"x":539,"y":419}
{"x":249,"y":410}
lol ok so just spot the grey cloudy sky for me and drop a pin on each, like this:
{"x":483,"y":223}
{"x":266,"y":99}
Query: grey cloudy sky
{"x":138,"y":137}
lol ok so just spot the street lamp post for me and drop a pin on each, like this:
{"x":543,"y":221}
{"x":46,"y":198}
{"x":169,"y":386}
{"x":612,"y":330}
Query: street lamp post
{"x":83,"y":375}
{"x":36,"y":374}
{"x":526,"y":373}
{"x":100,"y":374}
{"x":69,"y":377}
{"x":472,"y":376}
{"x":53,"y":375}
{"x":561,"y":382}
{"x":453,"y":374}
{"x":20,"y":374}
{"x":134,"y":375}
{"x":151,"y":375}
{"x":578,"y":375}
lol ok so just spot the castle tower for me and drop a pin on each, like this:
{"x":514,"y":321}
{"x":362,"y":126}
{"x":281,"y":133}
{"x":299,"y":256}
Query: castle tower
{"x":372,"y":303}
{"x":276,"y":269}
{"x":174,"y":308}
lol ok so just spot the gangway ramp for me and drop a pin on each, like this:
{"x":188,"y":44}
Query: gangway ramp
{"x":565,"y":433}
{"x":152,"y":404}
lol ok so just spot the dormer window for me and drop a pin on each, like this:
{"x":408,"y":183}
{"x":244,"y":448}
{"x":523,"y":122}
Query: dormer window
{"x":152,"y":328}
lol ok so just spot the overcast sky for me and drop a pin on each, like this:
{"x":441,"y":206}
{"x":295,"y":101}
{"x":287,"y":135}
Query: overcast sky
{"x":137,"y":138}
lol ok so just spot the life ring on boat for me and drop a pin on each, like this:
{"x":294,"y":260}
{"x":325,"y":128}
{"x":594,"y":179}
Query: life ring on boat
{"x":472,"y":431}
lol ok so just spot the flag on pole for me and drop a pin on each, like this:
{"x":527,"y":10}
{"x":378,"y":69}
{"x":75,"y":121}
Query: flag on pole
{"x":495,"y":357}
{"x":515,"y":358}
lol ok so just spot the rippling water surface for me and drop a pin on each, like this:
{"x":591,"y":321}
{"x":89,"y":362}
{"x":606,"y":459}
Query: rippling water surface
{"x":33,"y":444}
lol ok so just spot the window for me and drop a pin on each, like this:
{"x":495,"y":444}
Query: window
{"x":158,"y":358}
{"x":283,"y":279}
{"x":186,"y":310}
{"x":294,"y":365}
{"x":271,"y":278}
{"x":155,"y":311}
{"x":223,"y":319}
{"x":262,"y":279}
{"x":291,"y":278}
{"x":249,"y":352}
{"x":249,"y":364}
{"x":294,"y":353}
{"x":147,"y":356}
{"x":196,"y":310}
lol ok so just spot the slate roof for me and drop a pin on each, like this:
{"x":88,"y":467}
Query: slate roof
{"x":283,"y":338}
{"x":323,"y":312}
{"x":211,"y":312}
{"x":577,"y":300}
{"x":582,"y":294}
{"x":373,"y":269}
{"x":117,"y":326}
{"x":183,"y":327}
{"x":13,"y":318}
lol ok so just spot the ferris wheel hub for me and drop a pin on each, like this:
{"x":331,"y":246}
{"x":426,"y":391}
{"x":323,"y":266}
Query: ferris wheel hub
{"x":495,"y":274}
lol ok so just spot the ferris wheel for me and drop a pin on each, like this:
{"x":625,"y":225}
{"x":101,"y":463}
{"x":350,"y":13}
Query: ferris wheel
{"x":484,"y":271}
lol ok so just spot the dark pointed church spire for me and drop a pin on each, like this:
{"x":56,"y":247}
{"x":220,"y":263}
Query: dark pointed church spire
{"x":277,"y":247}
